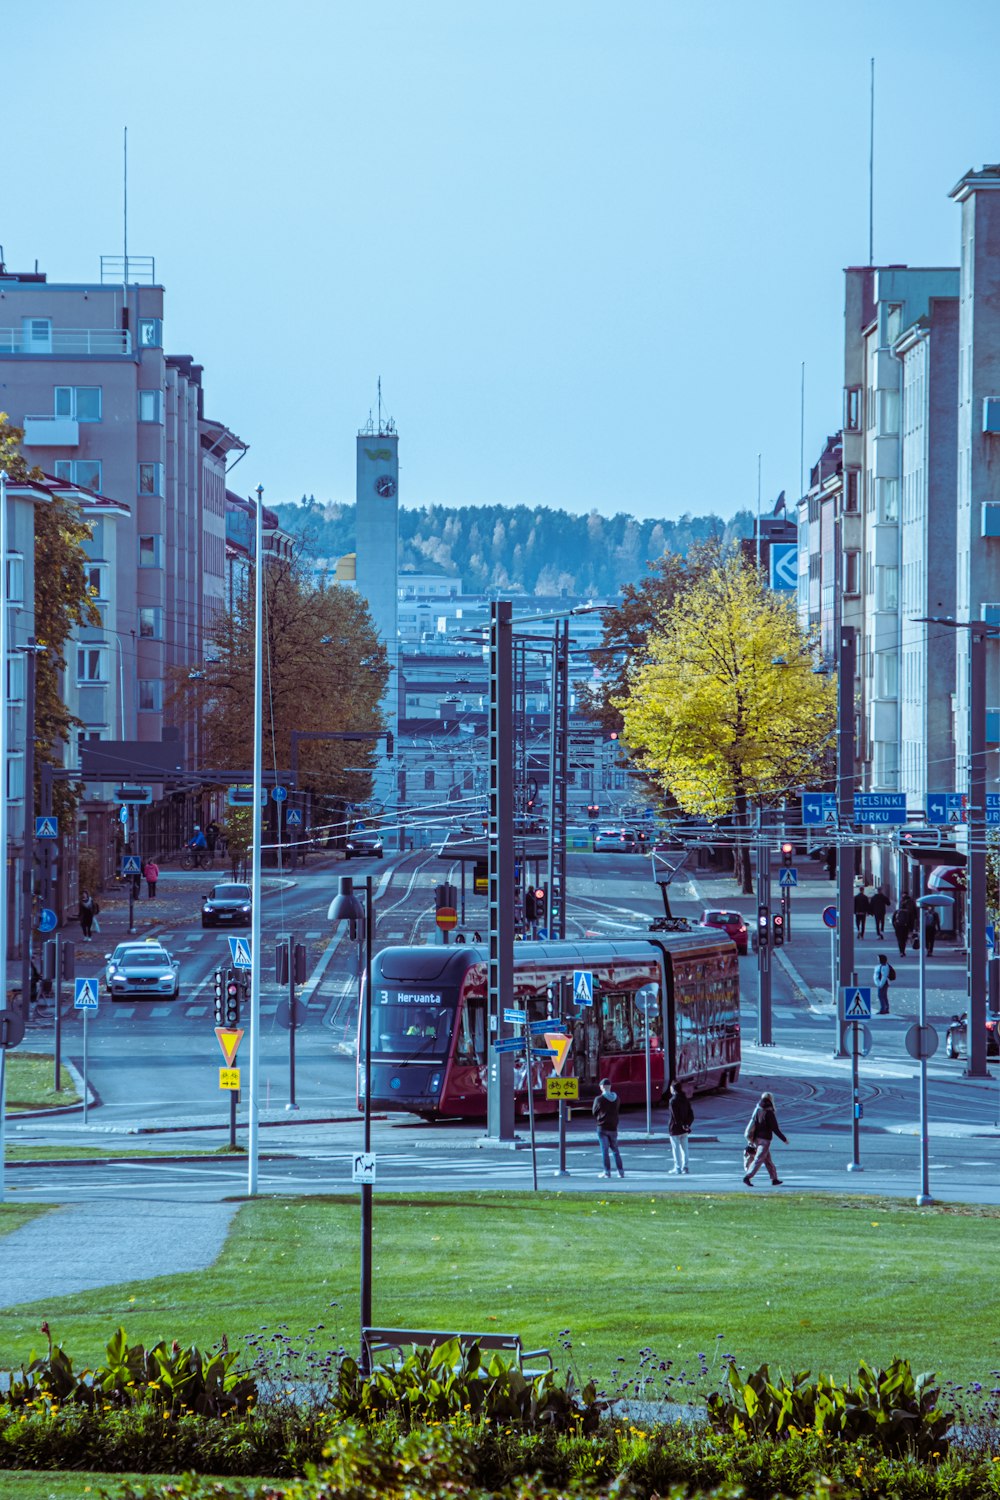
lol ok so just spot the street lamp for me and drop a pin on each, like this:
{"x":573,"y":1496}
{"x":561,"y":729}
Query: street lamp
{"x":345,"y":907}
{"x":935,"y":898}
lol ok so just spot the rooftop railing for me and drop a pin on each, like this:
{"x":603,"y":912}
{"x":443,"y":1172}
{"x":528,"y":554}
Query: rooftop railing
{"x":72,"y":341}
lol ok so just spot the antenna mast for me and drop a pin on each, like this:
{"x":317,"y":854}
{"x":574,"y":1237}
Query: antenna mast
{"x":125,"y":227}
{"x":871,"y":170}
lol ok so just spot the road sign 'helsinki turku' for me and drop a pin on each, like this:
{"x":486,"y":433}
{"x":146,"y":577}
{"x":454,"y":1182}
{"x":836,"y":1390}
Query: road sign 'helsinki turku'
{"x":879,"y":807}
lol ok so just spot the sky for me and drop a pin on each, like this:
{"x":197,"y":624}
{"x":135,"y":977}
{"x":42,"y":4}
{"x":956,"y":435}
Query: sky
{"x":587,"y":245}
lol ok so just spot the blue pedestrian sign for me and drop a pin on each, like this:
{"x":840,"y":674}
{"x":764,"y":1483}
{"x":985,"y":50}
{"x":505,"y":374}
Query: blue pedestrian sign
{"x":85,"y":994}
{"x":509,"y":1044}
{"x":240,"y":950}
{"x":131,"y":864}
{"x":947,"y":807}
{"x":279,"y":793}
{"x":819,"y":809}
{"x":879,"y":807}
{"x":857,"y":1002}
{"x":583,"y":987}
{"x":293,"y":817}
{"x":47,"y":920}
{"x":46,"y":828}
{"x":788,"y":875}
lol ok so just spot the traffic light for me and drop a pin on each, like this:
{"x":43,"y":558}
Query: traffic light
{"x":281,"y":961}
{"x":445,"y":896}
{"x":778,"y":929}
{"x":232,"y":998}
{"x":787,"y":854}
{"x":300,"y":963}
{"x":530,"y":905}
{"x":593,"y":810}
{"x":220,"y":1004}
{"x":541,"y":903}
{"x":763,"y":926}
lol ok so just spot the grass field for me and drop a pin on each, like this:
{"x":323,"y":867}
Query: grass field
{"x":29,"y":1083}
{"x":798,"y":1281}
{"x":32,"y":1484}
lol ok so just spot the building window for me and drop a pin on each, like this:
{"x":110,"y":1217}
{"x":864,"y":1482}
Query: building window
{"x":429,"y":780}
{"x":150,"y":695}
{"x":15,"y":578}
{"x":85,"y":472}
{"x":36,"y":335}
{"x":15,"y":678}
{"x":851,"y":491}
{"x":893,"y":322}
{"x":96,"y":576}
{"x":150,"y":333}
{"x":888,"y":412}
{"x":886,"y":588}
{"x":888,"y":499}
{"x":150,"y":406}
{"x":151,"y":623}
{"x":852,"y":408}
{"x":150,"y":479}
{"x":91,"y":665}
{"x":852,"y":573}
{"x":83,"y":402}
{"x":151,"y":551}
{"x":15,"y":778}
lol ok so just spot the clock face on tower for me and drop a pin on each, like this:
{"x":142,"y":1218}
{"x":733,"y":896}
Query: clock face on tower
{"x":385,"y":486}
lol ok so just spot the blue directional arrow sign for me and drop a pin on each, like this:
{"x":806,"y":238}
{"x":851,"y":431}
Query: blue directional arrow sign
{"x":819,"y":808}
{"x":788,"y":875}
{"x":857,"y":1001}
{"x":240,"y":950}
{"x":85,"y":994}
{"x":46,"y":828}
{"x":509,"y":1044}
{"x":293,"y":817}
{"x":946,"y":807}
{"x":583,"y":987}
{"x":879,"y":807}
{"x":131,"y":864}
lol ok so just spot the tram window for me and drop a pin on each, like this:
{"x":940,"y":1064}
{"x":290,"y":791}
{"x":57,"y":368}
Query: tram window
{"x":470,"y":1048}
{"x":617,"y":1034}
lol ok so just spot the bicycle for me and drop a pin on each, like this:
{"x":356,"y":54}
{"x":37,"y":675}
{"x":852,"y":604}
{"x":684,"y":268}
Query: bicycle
{"x":196,"y":859}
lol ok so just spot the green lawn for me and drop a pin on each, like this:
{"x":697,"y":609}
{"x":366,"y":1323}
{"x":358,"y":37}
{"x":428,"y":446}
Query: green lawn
{"x":36,"y":1484}
{"x":802,"y":1282}
{"x":30,"y":1077}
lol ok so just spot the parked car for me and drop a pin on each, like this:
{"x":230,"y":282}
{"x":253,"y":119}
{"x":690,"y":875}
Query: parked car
{"x":615,"y":841}
{"x":731,"y":923}
{"x":229,"y":905}
{"x":361,"y":842}
{"x":956,"y":1038}
{"x":144,"y":971}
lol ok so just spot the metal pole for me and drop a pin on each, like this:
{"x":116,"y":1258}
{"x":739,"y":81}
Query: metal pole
{"x":975,"y":919}
{"x":233,"y":1096}
{"x":924,"y":1196}
{"x":28,"y":841}
{"x":366,"y":1187}
{"x":845,"y":810}
{"x":86,"y":1087}
{"x":765,"y":1036}
{"x":500,"y":1092}
{"x":291,"y":1025}
{"x":649,"y":1083}
{"x":57,"y":1082}
{"x":855,"y":1164}
{"x":258,"y":779}
{"x":529,"y":1083}
{"x":4,"y":873}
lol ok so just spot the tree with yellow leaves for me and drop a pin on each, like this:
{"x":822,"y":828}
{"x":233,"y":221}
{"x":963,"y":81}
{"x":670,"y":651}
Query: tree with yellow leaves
{"x":727,"y":704}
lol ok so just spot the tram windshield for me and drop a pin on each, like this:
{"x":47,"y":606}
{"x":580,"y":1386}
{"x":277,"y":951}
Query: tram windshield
{"x":411,"y":1023}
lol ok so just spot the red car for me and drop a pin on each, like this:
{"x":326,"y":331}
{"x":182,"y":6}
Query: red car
{"x":731,"y":923}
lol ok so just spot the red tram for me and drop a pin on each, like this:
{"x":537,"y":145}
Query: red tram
{"x":430,"y":1050}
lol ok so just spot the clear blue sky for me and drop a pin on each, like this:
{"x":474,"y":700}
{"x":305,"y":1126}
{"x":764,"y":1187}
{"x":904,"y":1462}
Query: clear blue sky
{"x":587,"y":245}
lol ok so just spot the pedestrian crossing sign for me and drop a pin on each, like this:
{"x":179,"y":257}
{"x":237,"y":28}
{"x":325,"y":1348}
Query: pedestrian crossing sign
{"x":583,"y":987}
{"x":131,"y":864}
{"x":293,"y":817}
{"x":240,"y":950}
{"x":857,"y":1002}
{"x":85,"y":994}
{"x":788,"y":876}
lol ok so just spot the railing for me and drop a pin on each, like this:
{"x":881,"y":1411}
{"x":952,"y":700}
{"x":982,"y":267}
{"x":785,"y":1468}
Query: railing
{"x":135,"y":270}
{"x":105,"y":341}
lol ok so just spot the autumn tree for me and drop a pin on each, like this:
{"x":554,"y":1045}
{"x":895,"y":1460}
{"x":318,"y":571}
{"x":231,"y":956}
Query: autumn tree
{"x":62,"y":603}
{"x":324,"y":671}
{"x":727,"y":704}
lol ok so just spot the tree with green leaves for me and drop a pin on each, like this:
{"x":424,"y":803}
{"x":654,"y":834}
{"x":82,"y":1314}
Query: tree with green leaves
{"x":62,"y":603}
{"x":727,"y":704}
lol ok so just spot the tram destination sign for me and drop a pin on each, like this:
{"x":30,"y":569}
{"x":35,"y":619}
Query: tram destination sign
{"x":879,"y":807}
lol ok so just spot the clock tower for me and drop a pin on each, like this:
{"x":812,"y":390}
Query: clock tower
{"x":377,"y":550}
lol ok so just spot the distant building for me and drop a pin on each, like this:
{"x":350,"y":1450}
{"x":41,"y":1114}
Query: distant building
{"x":377,"y":561}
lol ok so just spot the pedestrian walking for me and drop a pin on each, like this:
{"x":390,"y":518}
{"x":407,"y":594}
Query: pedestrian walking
{"x":761,"y":1130}
{"x":903,"y":919}
{"x":882,"y":977}
{"x":932,"y":926}
{"x":86,"y":914}
{"x":878,"y":905}
{"x":861,"y":909}
{"x":151,"y":871}
{"x":212,"y":836}
{"x":679,"y":1127}
{"x":605,"y":1112}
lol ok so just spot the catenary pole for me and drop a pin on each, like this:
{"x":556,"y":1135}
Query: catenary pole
{"x":3,"y":813}
{"x":258,"y":782}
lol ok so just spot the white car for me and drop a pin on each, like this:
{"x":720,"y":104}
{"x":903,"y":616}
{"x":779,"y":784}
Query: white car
{"x":142,"y":971}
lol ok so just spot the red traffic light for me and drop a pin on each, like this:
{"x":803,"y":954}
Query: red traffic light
{"x":787,"y":854}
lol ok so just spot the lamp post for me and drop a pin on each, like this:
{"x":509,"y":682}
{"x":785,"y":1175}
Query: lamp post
{"x":935,"y":898}
{"x":345,"y":907}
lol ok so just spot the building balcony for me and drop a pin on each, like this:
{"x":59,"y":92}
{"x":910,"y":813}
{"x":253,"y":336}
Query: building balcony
{"x":51,"y":432}
{"x":68,"y":342}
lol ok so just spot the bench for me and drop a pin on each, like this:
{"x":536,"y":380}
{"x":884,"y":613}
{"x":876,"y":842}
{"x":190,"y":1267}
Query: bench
{"x":379,"y":1342}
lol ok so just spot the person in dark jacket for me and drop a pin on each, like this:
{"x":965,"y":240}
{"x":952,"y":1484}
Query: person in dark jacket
{"x":903,"y":919}
{"x":932,"y":926}
{"x":861,"y":910}
{"x":605,"y":1112}
{"x":878,"y":905}
{"x":679,"y":1127}
{"x":763,"y":1127}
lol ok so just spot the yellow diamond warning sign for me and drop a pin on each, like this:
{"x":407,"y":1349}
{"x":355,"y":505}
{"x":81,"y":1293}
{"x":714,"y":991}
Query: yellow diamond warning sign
{"x":229,"y":1041}
{"x":562,"y":1088}
{"x":559,"y":1042}
{"x":229,"y":1078}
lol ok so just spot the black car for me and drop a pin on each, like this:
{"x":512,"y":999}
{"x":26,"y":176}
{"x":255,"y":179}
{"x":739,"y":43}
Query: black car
{"x":956,"y":1038}
{"x":361,"y":842}
{"x":228,"y":905}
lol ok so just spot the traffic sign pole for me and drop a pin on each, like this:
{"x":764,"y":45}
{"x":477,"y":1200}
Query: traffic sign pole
{"x":855,"y":1164}
{"x":562,"y":1170}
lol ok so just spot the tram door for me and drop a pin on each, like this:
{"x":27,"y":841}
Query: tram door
{"x":587,"y":1047}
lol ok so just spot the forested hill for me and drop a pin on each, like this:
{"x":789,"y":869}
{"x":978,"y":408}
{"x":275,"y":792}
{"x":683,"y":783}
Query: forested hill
{"x":534,"y":549}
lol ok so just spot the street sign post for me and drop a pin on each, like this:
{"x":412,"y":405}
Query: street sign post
{"x":857,"y":1001}
{"x":819,"y":809}
{"x":878,"y":808}
{"x":947,"y":807}
{"x":562,"y":1088}
{"x":85,"y":998}
{"x":46,"y":828}
{"x":583,"y":987}
{"x":363,"y":1167}
{"x":47,"y":920}
{"x":229,"y":1078}
{"x":241,"y":950}
{"x":293,"y":817}
{"x":788,"y":876}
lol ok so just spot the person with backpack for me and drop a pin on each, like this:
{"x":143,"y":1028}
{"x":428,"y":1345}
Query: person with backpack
{"x":761,"y":1130}
{"x":878,"y":905}
{"x":679,"y":1127}
{"x":883,"y":976}
{"x":861,"y":910}
{"x":932,"y":926}
{"x":903,"y":920}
